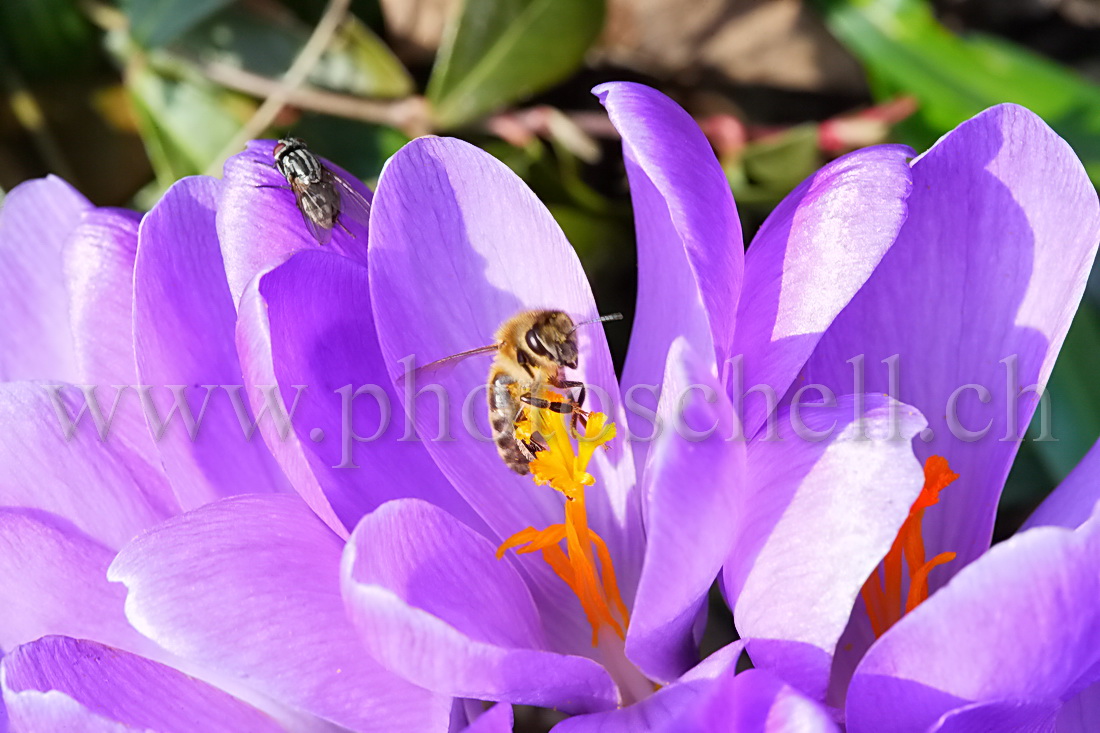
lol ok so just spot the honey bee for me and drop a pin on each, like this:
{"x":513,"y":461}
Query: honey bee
{"x":532,"y":350}
{"x":321,"y":195}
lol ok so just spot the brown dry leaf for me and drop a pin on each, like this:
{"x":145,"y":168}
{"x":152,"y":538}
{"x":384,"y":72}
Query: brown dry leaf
{"x":776,"y":43}
{"x":415,"y":27}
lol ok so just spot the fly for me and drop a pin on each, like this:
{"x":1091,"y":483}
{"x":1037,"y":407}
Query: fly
{"x":321,"y":195}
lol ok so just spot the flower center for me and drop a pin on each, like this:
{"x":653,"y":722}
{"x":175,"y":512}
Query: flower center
{"x":565,"y":469}
{"x":882,"y":591}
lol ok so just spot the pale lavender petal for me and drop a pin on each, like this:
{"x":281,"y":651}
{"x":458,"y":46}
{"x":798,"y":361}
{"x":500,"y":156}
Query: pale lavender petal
{"x":690,"y":250}
{"x":1072,"y":502}
{"x":54,"y":711}
{"x":814,"y":252}
{"x":259,"y":223}
{"x":184,"y":326}
{"x":53,"y":579}
{"x":1018,"y":716}
{"x":35,"y":222}
{"x":108,"y":684}
{"x":434,"y":605}
{"x":307,"y":327}
{"x":98,"y":262}
{"x":99,"y":275}
{"x":816,"y":516}
{"x":104,"y":488}
{"x":1019,"y":624}
{"x":250,"y":586}
{"x":688,"y":488}
{"x":459,"y":244}
{"x":990,"y":265}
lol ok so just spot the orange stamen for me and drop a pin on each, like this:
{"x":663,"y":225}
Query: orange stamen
{"x":882,"y":593}
{"x":565,"y":469}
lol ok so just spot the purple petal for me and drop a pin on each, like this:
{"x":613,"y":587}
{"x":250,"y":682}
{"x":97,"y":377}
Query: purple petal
{"x":689,"y":505}
{"x":86,"y":684}
{"x":308,"y":325}
{"x":814,"y":252}
{"x":459,"y":244}
{"x":497,"y":719}
{"x":433,"y":604}
{"x":668,"y":708}
{"x":53,"y":581}
{"x":713,"y":697}
{"x":250,"y":586}
{"x":184,"y":325}
{"x":104,"y":488}
{"x":259,"y":223}
{"x":1019,"y":716}
{"x":754,"y":700}
{"x":1080,"y":713}
{"x":690,"y":250}
{"x":991,"y":263}
{"x":35,"y":222}
{"x":1072,"y":503}
{"x":816,"y":517}
{"x":1020,"y":624}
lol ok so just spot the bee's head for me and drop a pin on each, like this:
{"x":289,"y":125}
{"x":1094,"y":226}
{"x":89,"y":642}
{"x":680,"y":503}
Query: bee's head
{"x":551,"y":337}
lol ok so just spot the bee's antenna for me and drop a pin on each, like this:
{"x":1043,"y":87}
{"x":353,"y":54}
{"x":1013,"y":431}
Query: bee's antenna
{"x":601,"y":319}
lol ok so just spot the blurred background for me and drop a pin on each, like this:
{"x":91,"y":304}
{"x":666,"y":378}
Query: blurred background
{"x":122,"y":98}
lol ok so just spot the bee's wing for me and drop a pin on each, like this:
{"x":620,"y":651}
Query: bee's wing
{"x":352,"y":203}
{"x":439,"y":366}
{"x":303,"y":197}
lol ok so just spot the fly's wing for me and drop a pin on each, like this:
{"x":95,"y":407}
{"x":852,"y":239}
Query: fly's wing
{"x":442,"y":366}
{"x":352,"y":203}
{"x":312,"y":208}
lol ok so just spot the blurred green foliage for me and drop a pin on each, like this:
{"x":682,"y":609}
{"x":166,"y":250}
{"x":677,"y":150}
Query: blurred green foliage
{"x":45,"y":38}
{"x":158,"y":22}
{"x":906,"y":50}
{"x":497,"y":51}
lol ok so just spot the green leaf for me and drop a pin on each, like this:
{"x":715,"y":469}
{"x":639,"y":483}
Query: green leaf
{"x":1074,"y":396}
{"x":769,"y":169}
{"x":497,"y":51}
{"x":906,"y":50}
{"x":356,"y":62}
{"x":359,"y":62}
{"x":158,"y":22}
{"x":359,"y":147}
{"x":184,"y":123}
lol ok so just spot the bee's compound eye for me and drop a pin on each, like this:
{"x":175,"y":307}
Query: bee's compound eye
{"x":278,"y":149}
{"x":534,"y":344}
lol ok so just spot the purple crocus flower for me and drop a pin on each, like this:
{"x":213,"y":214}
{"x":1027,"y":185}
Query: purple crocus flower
{"x":101,"y":297}
{"x":457,"y":245}
{"x":247,"y":586}
{"x":970,"y":305}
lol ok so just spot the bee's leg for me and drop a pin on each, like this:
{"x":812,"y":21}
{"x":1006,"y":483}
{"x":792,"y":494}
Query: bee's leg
{"x":562,"y":408}
{"x":528,"y":449}
{"x":271,"y":185}
{"x":579,"y":415}
{"x":569,"y":407}
{"x":582,"y":392}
